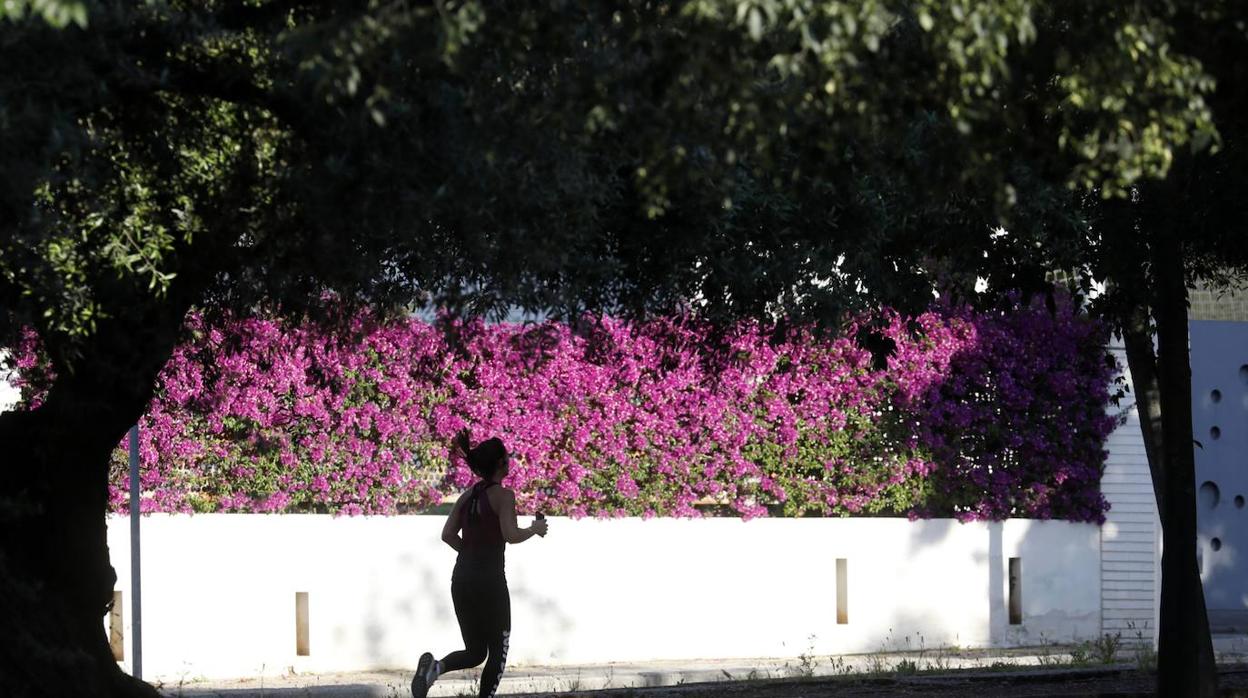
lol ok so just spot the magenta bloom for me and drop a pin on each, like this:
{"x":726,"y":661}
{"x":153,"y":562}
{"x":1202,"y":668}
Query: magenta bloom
{"x":976,"y":416}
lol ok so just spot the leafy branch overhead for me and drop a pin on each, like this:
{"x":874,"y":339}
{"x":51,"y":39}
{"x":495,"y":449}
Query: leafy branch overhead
{"x":778,"y":155}
{"x":58,"y":13}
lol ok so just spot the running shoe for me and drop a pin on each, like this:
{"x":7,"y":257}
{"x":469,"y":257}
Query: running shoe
{"x":423,"y":677}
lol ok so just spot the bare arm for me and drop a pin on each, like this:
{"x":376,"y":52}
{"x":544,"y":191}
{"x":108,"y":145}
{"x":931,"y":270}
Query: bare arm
{"x":512,"y":533}
{"x":450,"y":530}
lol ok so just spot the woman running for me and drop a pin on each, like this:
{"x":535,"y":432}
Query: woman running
{"x":486,"y":515}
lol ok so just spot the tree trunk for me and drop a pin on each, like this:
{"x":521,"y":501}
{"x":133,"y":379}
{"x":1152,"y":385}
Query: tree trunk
{"x":1185,"y":662}
{"x":1137,"y":336}
{"x":55,"y":577}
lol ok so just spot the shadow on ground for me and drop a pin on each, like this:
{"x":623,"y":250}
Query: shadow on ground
{"x":1109,"y":682}
{"x":342,"y":691}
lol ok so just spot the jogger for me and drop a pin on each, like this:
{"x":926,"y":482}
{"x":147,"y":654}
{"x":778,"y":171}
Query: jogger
{"x":486,"y":515}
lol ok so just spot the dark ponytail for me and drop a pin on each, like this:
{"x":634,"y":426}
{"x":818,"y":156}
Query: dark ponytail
{"x":484,"y":461}
{"x":462,"y":444}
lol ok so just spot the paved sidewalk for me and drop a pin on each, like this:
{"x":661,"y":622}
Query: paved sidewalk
{"x":534,"y":679}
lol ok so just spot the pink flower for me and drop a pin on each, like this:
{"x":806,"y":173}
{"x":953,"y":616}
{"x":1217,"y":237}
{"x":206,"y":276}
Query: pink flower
{"x":978,"y":415}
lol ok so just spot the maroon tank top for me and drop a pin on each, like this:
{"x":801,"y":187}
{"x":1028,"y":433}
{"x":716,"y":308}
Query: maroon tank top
{"x":483,"y":537}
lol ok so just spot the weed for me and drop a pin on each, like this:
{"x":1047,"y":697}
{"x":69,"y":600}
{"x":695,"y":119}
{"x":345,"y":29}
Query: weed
{"x":839,"y":666}
{"x":938,"y":660}
{"x":1145,"y":658}
{"x":906,"y":667}
{"x":1106,"y":647}
{"x":806,"y":660}
{"x":1003,"y":666}
{"x":1142,"y":649}
{"x":877,"y":664}
{"x":1045,"y":655}
{"x":1081,"y":654}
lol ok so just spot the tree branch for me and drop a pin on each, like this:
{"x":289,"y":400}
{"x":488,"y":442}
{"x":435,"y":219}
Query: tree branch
{"x":158,"y":48}
{"x":241,"y":15}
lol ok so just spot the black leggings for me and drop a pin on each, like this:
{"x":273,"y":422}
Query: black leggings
{"x":483,"y":608}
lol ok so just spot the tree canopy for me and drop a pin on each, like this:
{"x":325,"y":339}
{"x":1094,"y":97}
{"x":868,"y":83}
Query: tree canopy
{"x":558,"y":156}
{"x":744,"y":156}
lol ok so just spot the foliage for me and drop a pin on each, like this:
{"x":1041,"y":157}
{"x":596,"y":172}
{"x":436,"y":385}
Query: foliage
{"x":58,"y":13}
{"x":982,"y":415}
{"x":249,"y":152}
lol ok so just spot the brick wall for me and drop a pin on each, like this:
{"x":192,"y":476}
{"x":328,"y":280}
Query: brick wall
{"x":1219,"y":304}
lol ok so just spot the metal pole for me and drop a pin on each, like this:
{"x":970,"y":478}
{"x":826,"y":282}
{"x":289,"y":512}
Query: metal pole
{"x":136,"y":605}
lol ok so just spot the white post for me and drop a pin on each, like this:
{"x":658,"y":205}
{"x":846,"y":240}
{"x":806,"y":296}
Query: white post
{"x":136,"y":606}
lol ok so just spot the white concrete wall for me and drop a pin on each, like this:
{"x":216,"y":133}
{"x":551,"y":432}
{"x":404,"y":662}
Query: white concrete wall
{"x":219,"y":589}
{"x":8,"y":394}
{"x":1061,"y":596}
{"x":1131,"y":536}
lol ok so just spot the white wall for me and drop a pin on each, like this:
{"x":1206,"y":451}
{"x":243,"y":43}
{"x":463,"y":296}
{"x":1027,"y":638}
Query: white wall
{"x":219,"y":589}
{"x":1061,"y":596}
{"x":8,"y":394}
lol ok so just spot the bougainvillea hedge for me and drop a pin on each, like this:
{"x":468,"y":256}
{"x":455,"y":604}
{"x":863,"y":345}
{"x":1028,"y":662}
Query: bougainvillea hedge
{"x":976,"y":416}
